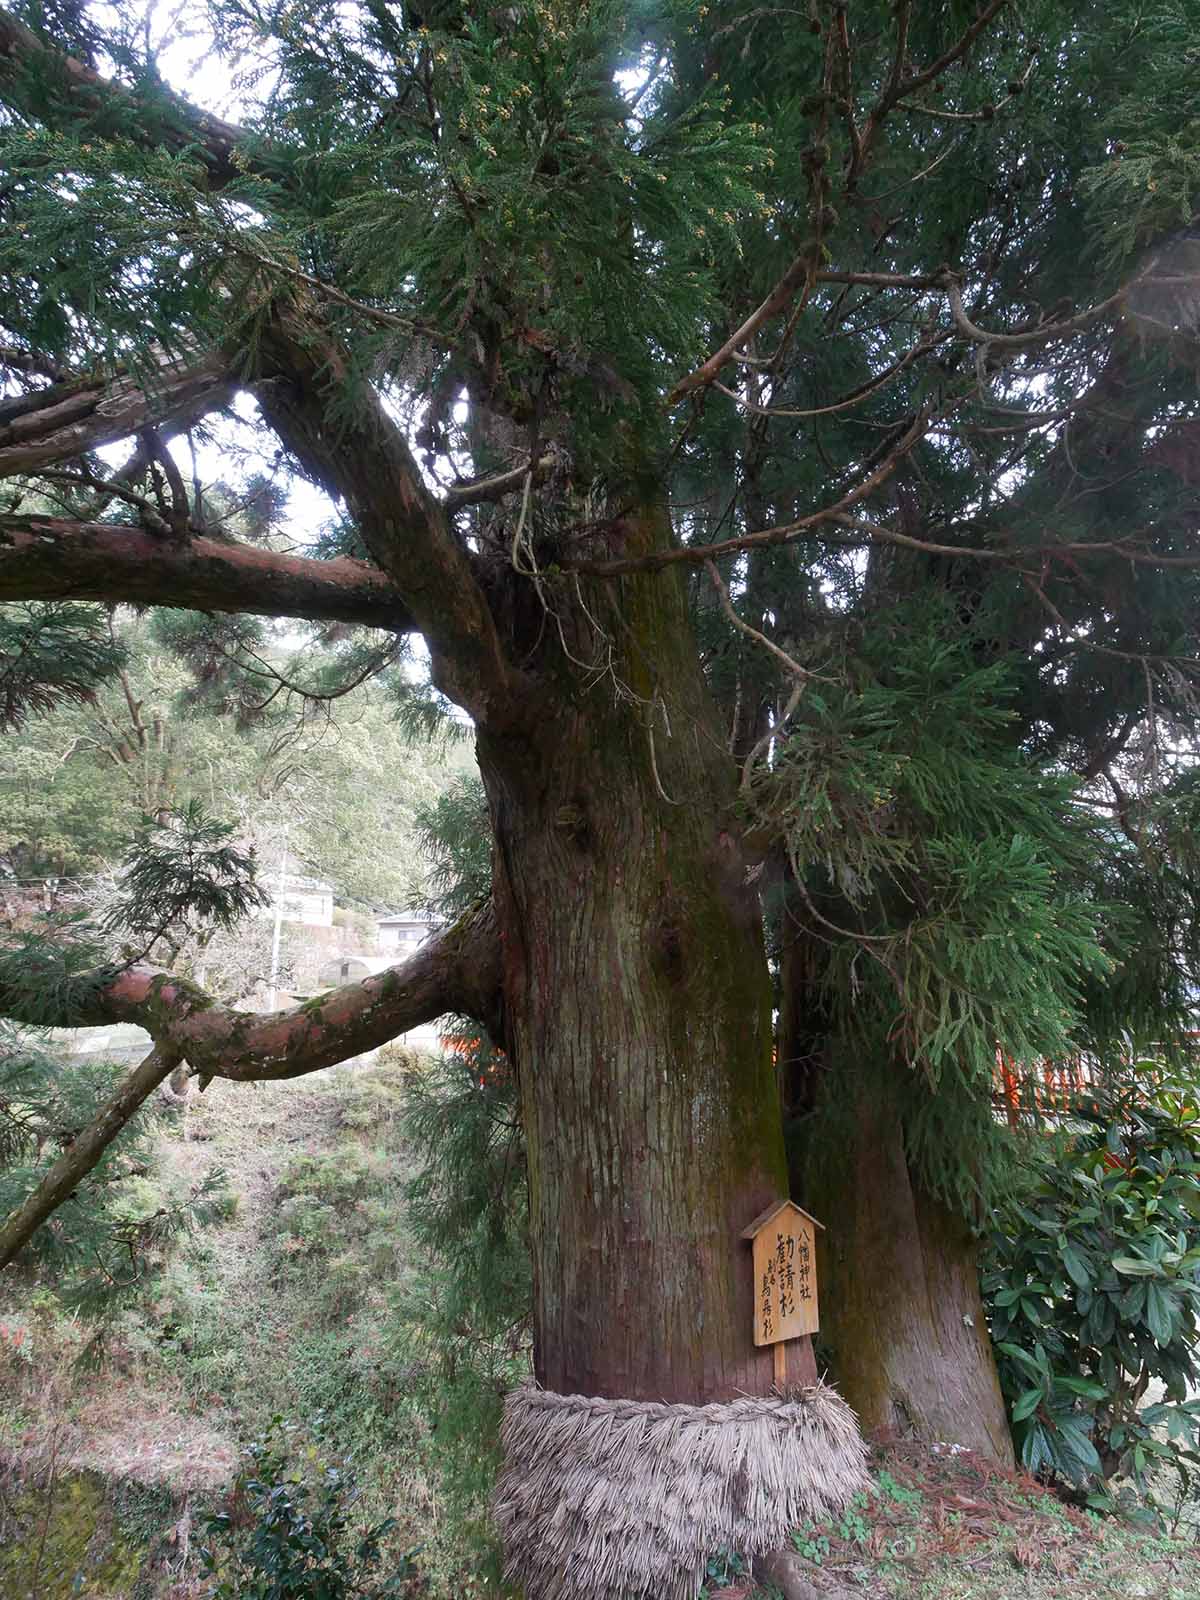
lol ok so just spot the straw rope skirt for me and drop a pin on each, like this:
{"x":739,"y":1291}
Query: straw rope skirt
{"x":626,"y":1500}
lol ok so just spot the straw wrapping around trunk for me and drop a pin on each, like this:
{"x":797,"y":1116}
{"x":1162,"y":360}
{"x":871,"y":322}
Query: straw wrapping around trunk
{"x":626,"y":1500}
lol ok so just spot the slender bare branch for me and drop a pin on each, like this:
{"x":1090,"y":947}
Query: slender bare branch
{"x":180,"y":514}
{"x":784,"y":533}
{"x":111,"y":489}
{"x":1019,"y":555}
{"x":854,"y":398}
{"x":1025,"y":338}
{"x":727,"y":606}
{"x":798,"y":274}
{"x":483,"y":489}
{"x":955,"y":53}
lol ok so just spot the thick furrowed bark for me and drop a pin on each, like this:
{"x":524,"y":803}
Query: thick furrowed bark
{"x":901,"y":1312}
{"x":83,"y":1154}
{"x":638,"y":1010}
{"x":53,"y":558}
{"x":901,"y":1307}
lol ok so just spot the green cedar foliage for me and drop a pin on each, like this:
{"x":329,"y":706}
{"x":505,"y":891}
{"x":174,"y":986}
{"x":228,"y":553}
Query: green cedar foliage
{"x":110,"y":1236}
{"x":456,"y":841}
{"x":463,"y":1322}
{"x":51,"y":969}
{"x":948,"y":877}
{"x":320,"y":735}
{"x":53,"y":655}
{"x":182,"y":878}
{"x":183,"y":871}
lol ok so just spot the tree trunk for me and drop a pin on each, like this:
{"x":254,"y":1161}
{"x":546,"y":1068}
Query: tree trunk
{"x":637,"y":1010}
{"x":901,"y":1313}
{"x":900,"y":1303}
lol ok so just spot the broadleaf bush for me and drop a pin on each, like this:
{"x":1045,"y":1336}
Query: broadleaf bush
{"x":1091,"y":1279}
{"x":290,"y":1532}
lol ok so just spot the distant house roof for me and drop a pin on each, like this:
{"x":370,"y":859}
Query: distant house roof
{"x":402,"y":916}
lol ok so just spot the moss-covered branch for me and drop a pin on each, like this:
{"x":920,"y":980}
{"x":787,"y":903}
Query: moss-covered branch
{"x":458,"y":971}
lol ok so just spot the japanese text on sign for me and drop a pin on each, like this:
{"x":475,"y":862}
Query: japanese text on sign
{"x":785,"y":1275}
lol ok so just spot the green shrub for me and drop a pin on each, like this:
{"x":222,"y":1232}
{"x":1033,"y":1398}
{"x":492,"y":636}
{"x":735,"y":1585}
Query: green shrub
{"x":289,"y":1534}
{"x":458,"y":1334}
{"x":372,"y":1099}
{"x":338,"y":1178}
{"x":1091,"y":1279}
{"x":336,"y":1230}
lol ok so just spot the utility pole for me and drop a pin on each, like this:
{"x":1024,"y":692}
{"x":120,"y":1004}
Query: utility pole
{"x":278,"y":922}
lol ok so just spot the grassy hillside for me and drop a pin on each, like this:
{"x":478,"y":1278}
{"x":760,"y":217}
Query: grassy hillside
{"x":309,"y":1301}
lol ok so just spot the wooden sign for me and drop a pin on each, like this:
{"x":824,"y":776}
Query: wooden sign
{"x":785,"y":1273}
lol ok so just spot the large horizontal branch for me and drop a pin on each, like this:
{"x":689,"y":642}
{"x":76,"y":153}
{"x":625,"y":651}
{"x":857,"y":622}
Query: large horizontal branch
{"x":55,"y":558}
{"x":339,"y":430}
{"x":458,"y":971}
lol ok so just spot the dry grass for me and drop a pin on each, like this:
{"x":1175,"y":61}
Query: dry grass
{"x":948,"y":1527}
